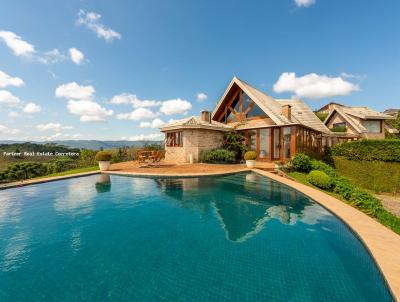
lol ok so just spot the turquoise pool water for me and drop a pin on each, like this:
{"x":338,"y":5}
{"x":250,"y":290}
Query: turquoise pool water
{"x":241,"y":237}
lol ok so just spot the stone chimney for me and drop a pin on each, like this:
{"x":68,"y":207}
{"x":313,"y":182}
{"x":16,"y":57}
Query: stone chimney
{"x":205,"y":116}
{"x":287,"y":111}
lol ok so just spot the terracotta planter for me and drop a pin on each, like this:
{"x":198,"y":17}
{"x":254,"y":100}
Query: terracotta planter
{"x":250,"y":163}
{"x":104,"y":165}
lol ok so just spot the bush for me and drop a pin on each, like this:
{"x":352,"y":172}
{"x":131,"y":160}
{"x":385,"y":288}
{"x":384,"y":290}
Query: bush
{"x":217,"y":156}
{"x":369,"y":150}
{"x":235,"y":141}
{"x":327,"y":156}
{"x":319,"y":179}
{"x":321,"y":166}
{"x":103,"y":156}
{"x":250,"y":155}
{"x":61,"y":164}
{"x":301,"y":162}
{"x":21,"y":171}
{"x":322,"y":115}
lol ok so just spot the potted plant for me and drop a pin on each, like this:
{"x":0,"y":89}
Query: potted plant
{"x":250,"y":158}
{"x":104,"y":159}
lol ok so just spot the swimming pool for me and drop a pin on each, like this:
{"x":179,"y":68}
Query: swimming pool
{"x":241,"y":237}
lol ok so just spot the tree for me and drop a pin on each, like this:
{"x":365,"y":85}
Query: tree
{"x":235,"y":141}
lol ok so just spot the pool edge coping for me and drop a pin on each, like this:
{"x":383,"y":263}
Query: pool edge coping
{"x":382,"y":243}
{"x":29,"y":182}
{"x":175,"y":175}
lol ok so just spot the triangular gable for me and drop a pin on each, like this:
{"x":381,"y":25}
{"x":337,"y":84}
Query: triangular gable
{"x":345,"y":117}
{"x":271,"y":108}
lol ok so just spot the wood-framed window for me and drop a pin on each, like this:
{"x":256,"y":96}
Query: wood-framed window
{"x":174,"y":139}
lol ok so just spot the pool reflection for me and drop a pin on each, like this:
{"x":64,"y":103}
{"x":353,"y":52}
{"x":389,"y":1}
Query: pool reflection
{"x":242,"y":208}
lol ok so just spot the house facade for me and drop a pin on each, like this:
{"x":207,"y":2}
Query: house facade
{"x":355,"y":122}
{"x":275,"y":129}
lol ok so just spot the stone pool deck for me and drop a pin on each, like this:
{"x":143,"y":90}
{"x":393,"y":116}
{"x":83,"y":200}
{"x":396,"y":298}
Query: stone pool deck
{"x":383,"y":243}
{"x":133,"y":168}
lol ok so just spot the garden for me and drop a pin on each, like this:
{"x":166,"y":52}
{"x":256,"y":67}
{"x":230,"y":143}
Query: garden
{"x":355,"y":171}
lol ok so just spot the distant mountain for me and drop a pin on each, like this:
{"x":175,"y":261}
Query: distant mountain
{"x":89,"y":144}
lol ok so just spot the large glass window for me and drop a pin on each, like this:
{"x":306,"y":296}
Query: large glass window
{"x":265,"y":145}
{"x":286,"y":142}
{"x":276,"y":142}
{"x":174,"y":139}
{"x":372,"y":126}
{"x":252,"y":139}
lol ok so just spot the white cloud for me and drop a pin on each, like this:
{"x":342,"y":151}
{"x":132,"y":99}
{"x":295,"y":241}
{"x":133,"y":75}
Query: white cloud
{"x":6,"y":80}
{"x":7,"y":131}
{"x":16,"y":44}
{"x":74,"y":91}
{"x":304,"y":3}
{"x":137,"y":114}
{"x":145,"y":137}
{"x":7,"y":98}
{"x":52,"y":126}
{"x":313,"y":86}
{"x":51,"y":57}
{"x":13,"y":114}
{"x":156,"y":123}
{"x":175,"y":106}
{"x":125,"y":98}
{"x":92,"y":21}
{"x":89,"y":111}
{"x":76,"y":56}
{"x":201,"y":96}
{"x":58,"y":136}
{"x":31,"y":108}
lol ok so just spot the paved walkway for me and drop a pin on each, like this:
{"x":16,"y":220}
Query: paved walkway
{"x":382,"y":242}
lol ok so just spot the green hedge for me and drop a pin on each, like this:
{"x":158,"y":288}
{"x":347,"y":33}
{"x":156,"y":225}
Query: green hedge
{"x":377,"y":176}
{"x":217,"y":156}
{"x":369,"y":150}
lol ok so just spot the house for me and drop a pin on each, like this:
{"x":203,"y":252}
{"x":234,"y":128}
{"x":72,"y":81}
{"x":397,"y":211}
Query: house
{"x":392,"y":111}
{"x":275,"y":129}
{"x":355,"y":122}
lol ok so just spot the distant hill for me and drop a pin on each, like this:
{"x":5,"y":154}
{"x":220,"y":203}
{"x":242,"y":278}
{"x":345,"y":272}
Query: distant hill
{"x":89,"y":144}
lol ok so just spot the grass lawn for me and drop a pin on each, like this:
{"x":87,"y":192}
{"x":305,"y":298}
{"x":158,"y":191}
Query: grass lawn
{"x":70,"y":172}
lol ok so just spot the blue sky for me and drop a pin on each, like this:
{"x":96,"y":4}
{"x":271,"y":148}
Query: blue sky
{"x":115,"y":69}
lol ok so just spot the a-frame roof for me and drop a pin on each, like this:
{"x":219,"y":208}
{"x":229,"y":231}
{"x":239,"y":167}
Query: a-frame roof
{"x":271,"y":107}
{"x":301,"y":113}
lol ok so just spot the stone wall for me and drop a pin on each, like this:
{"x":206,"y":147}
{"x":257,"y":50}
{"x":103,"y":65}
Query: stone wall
{"x":194,"y":141}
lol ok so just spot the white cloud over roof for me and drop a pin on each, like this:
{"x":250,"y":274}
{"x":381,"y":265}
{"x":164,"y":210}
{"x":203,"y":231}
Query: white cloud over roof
{"x":175,"y":106}
{"x":313,"y":86}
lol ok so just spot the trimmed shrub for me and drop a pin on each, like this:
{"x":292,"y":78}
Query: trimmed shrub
{"x":217,"y":156}
{"x":369,"y":150}
{"x":301,"y":162}
{"x":250,"y":155}
{"x":321,"y":166}
{"x":103,"y":156}
{"x":319,"y":179}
